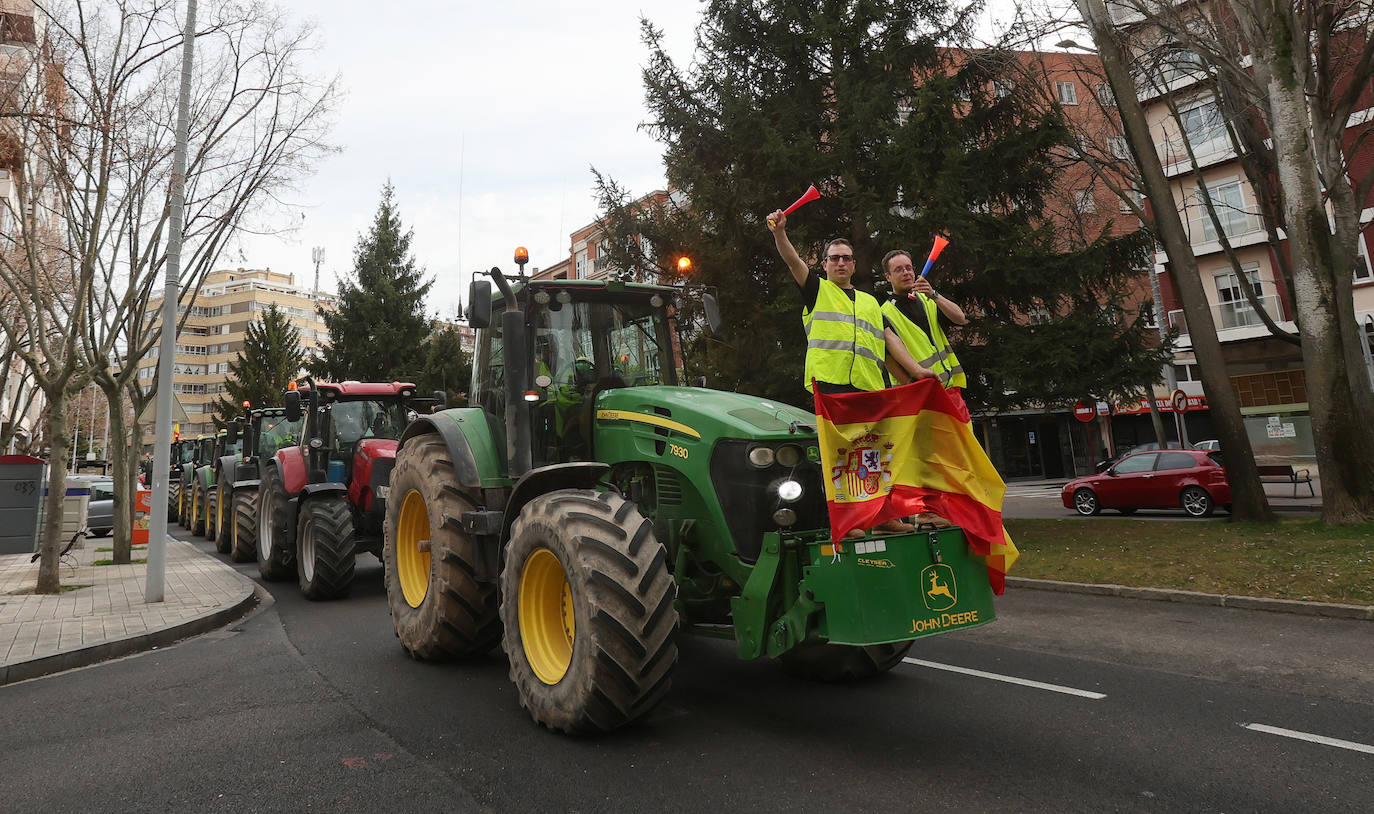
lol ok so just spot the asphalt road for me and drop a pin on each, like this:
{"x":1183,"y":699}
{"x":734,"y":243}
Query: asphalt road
{"x":1137,"y":706}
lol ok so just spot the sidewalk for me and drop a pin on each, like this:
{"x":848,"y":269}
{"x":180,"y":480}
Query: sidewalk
{"x":50,"y":633}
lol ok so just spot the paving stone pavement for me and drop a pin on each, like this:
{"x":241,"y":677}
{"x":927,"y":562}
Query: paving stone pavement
{"x":42,"y":634}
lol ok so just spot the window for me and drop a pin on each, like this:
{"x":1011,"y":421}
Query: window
{"x":1136,"y":464}
{"x":1205,"y":128}
{"x":1235,"y":310}
{"x":1000,"y":89}
{"x":582,"y":265}
{"x":1083,"y":201}
{"x":1081,"y":142}
{"x":1068,"y":92}
{"x":1120,"y":149}
{"x":1228,"y":198}
{"x":1105,"y":97}
{"x":1187,"y":373}
{"x":1175,"y":460}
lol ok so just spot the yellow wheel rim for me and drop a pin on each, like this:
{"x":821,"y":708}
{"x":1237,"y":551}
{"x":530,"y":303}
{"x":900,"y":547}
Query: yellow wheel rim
{"x":412,"y":563}
{"x":547,"y":622}
{"x":219,"y":516}
{"x":195,"y":506}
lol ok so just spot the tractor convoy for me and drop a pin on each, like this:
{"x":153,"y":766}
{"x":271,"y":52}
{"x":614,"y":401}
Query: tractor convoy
{"x":584,"y":511}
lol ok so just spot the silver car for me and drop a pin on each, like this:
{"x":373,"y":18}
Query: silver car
{"x":100,"y":508}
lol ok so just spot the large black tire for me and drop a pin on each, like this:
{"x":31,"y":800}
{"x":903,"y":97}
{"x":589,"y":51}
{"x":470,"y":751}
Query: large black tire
{"x":243,"y":545}
{"x":587,"y":608}
{"x":842,"y":662}
{"x":184,"y":505}
{"x":276,"y":533}
{"x":438,"y":608}
{"x":222,"y":514}
{"x":197,"y":510}
{"x":173,"y":501}
{"x":325,"y":553}
{"x":212,"y":518}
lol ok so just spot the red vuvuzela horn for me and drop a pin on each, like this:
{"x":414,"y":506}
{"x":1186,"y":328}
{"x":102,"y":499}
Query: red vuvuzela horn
{"x":807,"y":197}
{"x":940,"y":244}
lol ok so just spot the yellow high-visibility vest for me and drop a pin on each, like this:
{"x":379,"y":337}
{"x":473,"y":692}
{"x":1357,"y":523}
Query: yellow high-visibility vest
{"x":844,"y":339}
{"x":931,"y":351}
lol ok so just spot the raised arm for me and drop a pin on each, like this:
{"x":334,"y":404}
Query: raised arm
{"x":777,"y":224}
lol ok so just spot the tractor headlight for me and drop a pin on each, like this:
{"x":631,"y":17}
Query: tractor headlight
{"x":784,"y":517}
{"x":316,"y":443}
{"x":789,"y":455}
{"x":761,"y":457}
{"x":789,"y":490}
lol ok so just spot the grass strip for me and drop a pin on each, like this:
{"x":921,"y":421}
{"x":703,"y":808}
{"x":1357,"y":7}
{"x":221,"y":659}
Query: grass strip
{"x":1291,"y":559}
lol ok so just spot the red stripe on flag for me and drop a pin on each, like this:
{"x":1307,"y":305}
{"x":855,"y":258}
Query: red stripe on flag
{"x":870,"y":406}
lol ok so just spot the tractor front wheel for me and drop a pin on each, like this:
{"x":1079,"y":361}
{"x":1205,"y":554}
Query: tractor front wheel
{"x":173,"y":502}
{"x":222,"y":512}
{"x":276,"y":533}
{"x":325,"y":554}
{"x":587,"y":606}
{"x":842,"y":662}
{"x":244,"y":545}
{"x":438,"y":608}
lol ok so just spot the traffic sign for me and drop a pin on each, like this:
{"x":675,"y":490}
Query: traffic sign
{"x":1180,"y":401}
{"x":1084,"y":412}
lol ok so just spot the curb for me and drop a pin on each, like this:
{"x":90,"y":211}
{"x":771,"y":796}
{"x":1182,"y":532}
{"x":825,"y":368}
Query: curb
{"x":1327,"y":609}
{"x":119,"y":648}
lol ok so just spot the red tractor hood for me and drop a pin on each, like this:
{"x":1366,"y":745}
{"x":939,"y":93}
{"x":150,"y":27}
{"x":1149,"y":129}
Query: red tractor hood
{"x":365,"y":457}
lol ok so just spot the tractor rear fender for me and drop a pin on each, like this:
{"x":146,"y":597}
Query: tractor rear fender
{"x":226,"y":468}
{"x":313,"y":489}
{"x":470,"y":446}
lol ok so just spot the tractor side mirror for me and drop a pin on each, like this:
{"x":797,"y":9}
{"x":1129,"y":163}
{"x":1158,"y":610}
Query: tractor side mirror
{"x":293,"y":405}
{"x":231,"y":435}
{"x":712,"y":308}
{"x":440,"y":400}
{"x":479,"y":303}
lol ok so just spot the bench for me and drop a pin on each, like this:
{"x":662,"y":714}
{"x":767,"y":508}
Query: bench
{"x":1285,"y":473}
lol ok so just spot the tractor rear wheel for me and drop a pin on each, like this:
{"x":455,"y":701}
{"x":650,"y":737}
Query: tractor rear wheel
{"x":438,"y":608}
{"x":276,"y":534}
{"x":184,"y":505}
{"x":197,"y":510}
{"x":325,"y":553}
{"x":223,"y":514}
{"x":587,"y":605}
{"x":244,"y":527}
{"x":213,"y":517}
{"x":842,"y":662}
{"x":173,"y":502}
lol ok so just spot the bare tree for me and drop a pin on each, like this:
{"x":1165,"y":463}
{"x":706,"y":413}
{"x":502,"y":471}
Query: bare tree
{"x":1290,"y":76}
{"x":92,"y":132}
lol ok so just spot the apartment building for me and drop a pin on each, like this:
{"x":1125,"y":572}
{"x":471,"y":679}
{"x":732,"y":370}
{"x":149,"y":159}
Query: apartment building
{"x":1267,"y":373}
{"x":229,"y":301}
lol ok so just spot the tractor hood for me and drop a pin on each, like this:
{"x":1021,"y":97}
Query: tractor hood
{"x":708,"y":413}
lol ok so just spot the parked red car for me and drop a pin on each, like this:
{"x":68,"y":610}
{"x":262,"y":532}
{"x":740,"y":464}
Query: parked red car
{"x":1165,"y":479}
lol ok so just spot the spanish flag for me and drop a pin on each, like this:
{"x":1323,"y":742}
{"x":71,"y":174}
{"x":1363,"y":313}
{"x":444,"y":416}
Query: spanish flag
{"x":908,"y":450}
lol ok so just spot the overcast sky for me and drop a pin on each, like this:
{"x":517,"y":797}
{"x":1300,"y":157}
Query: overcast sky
{"x":486,"y":118}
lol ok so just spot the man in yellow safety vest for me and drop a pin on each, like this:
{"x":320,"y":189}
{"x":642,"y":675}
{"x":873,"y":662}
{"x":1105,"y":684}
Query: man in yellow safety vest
{"x":847,"y":344}
{"x":914,"y":313}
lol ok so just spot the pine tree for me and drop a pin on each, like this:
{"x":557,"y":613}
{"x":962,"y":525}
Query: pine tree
{"x":271,"y":357}
{"x":906,"y":136}
{"x":379,"y":330}
{"x":446,"y":367}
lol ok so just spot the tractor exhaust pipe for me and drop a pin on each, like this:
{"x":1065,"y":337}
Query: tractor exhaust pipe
{"x":517,"y":375}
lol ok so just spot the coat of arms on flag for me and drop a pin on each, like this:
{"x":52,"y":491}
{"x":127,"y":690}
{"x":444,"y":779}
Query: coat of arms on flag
{"x":907,"y":450}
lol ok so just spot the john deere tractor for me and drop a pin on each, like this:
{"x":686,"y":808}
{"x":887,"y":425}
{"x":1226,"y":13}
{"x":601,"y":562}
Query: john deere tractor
{"x":201,"y":452}
{"x":183,"y":452}
{"x":265,"y":430}
{"x":590,"y":508}
{"x":209,"y":520}
{"x":323,"y":499}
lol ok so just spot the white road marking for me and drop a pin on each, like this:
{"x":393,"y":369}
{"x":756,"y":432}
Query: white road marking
{"x":1310,"y":738}
{"x":1025,"y":682}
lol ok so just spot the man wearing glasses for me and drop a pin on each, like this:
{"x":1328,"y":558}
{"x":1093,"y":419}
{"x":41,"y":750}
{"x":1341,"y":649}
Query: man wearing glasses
{"x":847,"y":344}
{"x":915,"y":313}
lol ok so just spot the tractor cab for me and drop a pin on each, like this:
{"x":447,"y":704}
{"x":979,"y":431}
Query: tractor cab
{"x":584,"y":338}
{"x":350,"y":425}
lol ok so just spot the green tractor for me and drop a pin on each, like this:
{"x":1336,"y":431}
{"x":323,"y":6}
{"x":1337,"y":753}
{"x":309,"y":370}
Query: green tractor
{"x":265,"y":430}
{"x":196,"y":454}
{"x":222,"y":451}
{"x":182,"y":454}
{"x":590,"y":509}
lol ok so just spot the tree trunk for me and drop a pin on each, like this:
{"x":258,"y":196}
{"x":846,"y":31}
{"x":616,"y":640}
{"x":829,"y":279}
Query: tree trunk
{"x":125,"y":463}
{"x":1247,"y":492}
{"x":1340,"y":433}
{"x":49,"y":576}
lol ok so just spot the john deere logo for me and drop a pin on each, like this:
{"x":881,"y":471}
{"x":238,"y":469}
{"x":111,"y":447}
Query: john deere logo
{"x":940,"y":591}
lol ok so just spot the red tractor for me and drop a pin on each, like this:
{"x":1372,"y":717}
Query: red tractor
{"x":324,"y":499}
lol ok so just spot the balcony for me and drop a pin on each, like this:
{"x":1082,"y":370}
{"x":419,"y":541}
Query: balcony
{"x":1235,"y":320}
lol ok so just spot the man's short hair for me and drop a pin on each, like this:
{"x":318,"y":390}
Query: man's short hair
{"x":837,"y":241}
{"x":887,"y":258}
